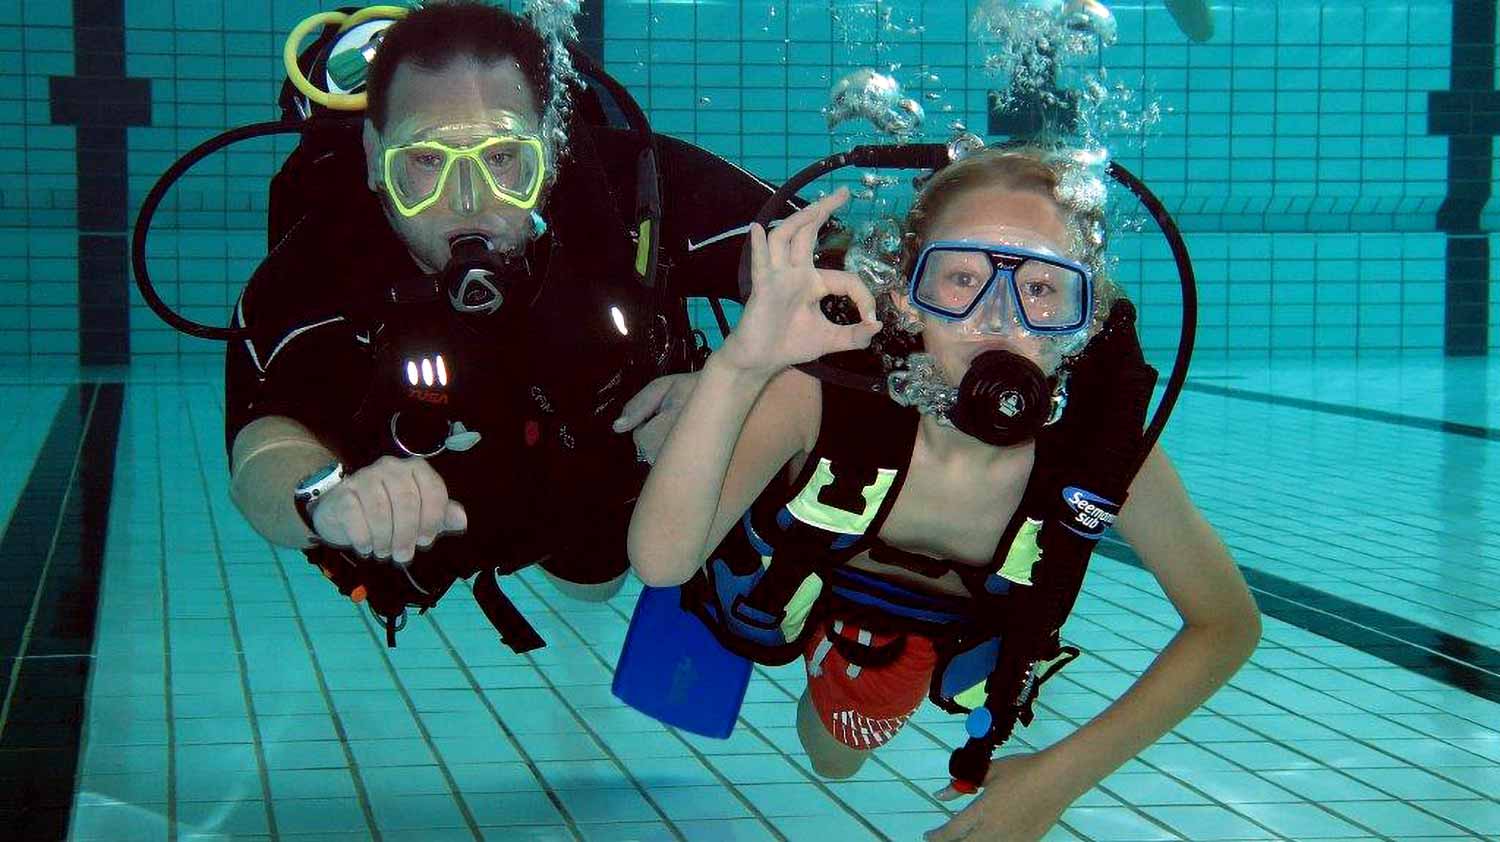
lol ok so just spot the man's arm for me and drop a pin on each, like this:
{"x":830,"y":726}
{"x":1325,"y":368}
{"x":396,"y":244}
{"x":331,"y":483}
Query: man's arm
{"x":292,"y":373}
{"x":269,"y":451}
{"x":389,"y":508}
{"x":270,"y":455}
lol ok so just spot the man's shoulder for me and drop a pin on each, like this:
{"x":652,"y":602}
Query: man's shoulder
{"x":314,"y":284}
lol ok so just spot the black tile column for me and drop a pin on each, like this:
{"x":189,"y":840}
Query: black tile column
{"x":591,"y":29}
{"x":101,"y":102}
{"x":1469,"y":115}
{"x":49,"y":599}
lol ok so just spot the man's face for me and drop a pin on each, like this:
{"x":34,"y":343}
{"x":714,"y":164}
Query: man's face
{"x":459,"y":106}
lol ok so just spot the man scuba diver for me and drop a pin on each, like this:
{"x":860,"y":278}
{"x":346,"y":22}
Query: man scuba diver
{"x":435,"y":362}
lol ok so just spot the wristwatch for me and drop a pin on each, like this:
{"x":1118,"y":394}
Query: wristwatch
{"x":313,"y":487}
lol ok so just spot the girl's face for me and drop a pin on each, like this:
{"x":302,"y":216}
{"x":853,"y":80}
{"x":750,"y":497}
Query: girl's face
{"x":1002,"y":217}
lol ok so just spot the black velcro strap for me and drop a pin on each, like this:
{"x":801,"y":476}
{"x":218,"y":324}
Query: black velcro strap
{"x":866,"y":655}
{"x":515,"y":631}
{"x":780,"y":581}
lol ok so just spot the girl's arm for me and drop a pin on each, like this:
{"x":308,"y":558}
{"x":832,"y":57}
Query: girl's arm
{"x":736,"y":431}
{"x":1221,"y":628}
{"x":749,"y":412}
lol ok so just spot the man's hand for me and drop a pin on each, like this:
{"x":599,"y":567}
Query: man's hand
{"x":388,"y":509}
{"x":653,"y":412}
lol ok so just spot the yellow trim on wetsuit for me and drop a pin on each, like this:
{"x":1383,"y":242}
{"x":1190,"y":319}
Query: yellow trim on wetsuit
{"x":806,"y":507}
{"x":643,"y":248}
{"x":972,"y":698}
{"x":1023,"y":553}
{"x":800,"y":606}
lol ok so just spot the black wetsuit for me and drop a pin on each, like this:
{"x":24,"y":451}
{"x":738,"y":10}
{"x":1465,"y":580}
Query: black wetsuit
{"x":533,"y":486}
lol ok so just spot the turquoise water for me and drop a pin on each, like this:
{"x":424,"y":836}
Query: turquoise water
{"x":1293,"y":148}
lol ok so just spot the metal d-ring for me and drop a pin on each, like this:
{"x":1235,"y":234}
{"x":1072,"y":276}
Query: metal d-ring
{"x":408,"y":451}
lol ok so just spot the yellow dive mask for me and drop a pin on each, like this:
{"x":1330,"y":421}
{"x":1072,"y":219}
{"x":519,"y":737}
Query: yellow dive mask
{"x":511,"y":166}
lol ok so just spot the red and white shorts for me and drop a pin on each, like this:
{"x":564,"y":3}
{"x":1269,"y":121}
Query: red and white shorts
{"x":864,"y":707}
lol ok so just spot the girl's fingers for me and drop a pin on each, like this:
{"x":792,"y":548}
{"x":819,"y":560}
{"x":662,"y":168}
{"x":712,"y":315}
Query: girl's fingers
{"x":850,"y":284}
{"x":856,"y":337}
{"x":759,"y":254}
{"x":801,"y":250}
{"x":787,"y":242}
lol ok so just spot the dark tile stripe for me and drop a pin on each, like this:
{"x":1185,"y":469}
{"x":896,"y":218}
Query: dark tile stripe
{"x":28,"y":538}
{"x":1452,"y":660}
{"x":1469,"y":115}
{"x":591,"y":29}
{"x":102,"y":102}
{"x":1416,"y":421}
{"x":67,"y":496}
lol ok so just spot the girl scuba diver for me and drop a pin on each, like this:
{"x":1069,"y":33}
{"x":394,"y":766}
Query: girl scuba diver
{"x":1007,"y":295}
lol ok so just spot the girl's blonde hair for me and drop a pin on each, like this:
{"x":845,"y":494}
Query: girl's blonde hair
{"x":1027,"y":169}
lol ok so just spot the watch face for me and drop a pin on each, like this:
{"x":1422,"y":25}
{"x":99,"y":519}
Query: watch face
{"x":314,"y":481}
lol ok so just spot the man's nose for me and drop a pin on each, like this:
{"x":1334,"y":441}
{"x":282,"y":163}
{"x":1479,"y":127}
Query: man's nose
{"x":465,"y":200}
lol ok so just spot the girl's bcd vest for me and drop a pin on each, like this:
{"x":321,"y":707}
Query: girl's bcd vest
{"x":783,"y":569}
